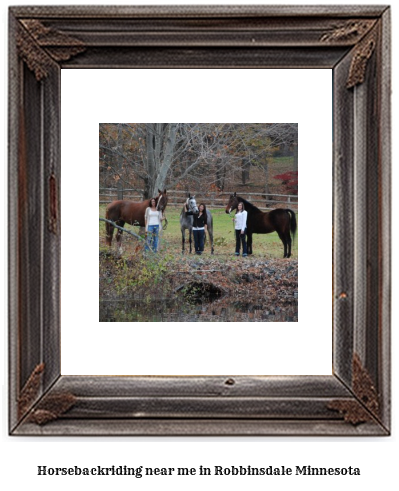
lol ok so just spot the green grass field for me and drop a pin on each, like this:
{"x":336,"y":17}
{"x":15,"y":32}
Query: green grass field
{"x":264,"y":245}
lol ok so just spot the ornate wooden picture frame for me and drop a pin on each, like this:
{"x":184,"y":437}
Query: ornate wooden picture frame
{"x":352,"y":41}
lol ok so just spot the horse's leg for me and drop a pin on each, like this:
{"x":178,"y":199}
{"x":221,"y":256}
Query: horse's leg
{"x":249,"y":243}
{"x":284,"y":241}
{"x":210,"y":233}
{"x":285,"y":236}
{"x":119,"y":233}
{"x":109,"y":228}
{"x":183,"y":239}
{"x":190,"y":231}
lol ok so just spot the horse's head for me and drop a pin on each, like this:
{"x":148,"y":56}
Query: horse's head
{"x":162,"y":200}
{"x":232,"y":204}
{"x":192,"y":204}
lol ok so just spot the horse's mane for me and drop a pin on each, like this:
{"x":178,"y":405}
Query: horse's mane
{"x":249,"y":206}
{"x":183,"y":210}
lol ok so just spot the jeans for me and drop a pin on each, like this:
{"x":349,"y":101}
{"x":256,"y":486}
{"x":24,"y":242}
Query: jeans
{"x":241,"y":239}
{"x":152,"y":238}
{"x":199,"y":240}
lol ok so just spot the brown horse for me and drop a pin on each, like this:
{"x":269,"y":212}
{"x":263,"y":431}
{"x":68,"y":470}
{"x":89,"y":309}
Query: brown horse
{"x":124,"y":211}
{"x":281,"y":220}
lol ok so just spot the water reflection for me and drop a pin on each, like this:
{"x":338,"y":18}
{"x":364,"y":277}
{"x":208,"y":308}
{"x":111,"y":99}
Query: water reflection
{"x":211,"y":310}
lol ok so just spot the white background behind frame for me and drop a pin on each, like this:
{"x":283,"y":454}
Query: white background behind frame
{"x":90,"y":97}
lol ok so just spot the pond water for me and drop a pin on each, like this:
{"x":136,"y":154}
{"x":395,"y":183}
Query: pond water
{"x":216,"y":309}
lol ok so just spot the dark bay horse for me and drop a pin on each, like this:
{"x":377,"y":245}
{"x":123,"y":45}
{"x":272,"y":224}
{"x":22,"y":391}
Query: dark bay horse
{"x":281,"y":220}
{"x":124,"y":211}
{"x":186,"y":222}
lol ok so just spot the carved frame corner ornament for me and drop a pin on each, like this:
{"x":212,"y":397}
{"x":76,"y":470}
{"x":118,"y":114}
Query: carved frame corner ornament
{"x":366,"y":406}
{"x":364,"y":33}
{"x":361,"y":56}
{"x":353,"y":42}
{"x":39,"y":45}
{"x":352,"y":30}
{"x":30,"y":391}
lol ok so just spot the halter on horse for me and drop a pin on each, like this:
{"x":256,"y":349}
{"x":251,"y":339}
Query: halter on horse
{"x":191,"y":204}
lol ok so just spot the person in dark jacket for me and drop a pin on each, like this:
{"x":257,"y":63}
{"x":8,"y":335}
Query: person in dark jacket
{"x":199,"y":228}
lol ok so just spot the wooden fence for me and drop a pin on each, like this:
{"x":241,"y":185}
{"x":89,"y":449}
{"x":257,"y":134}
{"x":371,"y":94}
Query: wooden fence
{"x":212,"y":199}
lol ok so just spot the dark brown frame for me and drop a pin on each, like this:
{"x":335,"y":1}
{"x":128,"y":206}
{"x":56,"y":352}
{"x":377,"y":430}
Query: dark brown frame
{"x":353,"y":41}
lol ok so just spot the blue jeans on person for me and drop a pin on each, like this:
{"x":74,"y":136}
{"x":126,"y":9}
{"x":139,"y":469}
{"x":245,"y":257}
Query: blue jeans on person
{"x":241,"y":239}
{"x":199,"y":240}
{"x":152,"y":238}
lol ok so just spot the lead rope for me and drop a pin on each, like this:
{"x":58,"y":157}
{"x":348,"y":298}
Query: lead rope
{"x":164,"y":214}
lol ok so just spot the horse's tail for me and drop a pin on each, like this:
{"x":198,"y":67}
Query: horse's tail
{"x":292,"y":222}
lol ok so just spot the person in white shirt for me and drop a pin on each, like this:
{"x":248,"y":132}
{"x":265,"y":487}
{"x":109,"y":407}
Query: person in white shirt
{"x":240,"y":225}
{"x":153,"y":224}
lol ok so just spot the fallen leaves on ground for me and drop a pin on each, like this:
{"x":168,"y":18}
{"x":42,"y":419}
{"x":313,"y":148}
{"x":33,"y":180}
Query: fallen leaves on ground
{"x":203,"y":288}
{"x":271,"y":279}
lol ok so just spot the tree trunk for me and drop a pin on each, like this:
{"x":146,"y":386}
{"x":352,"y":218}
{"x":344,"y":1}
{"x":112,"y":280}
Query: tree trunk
{"x":150,"y":144}
{"x":119,"y":184}
{"x":220,"y":176}
{"x":167,"y":158}
{"x":266,"y":173}
{"x":245,"y":168}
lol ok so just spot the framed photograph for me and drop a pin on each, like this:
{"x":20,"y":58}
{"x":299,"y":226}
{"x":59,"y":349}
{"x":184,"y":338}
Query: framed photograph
{"x":181,"y":204}
{"x":352,"y":45}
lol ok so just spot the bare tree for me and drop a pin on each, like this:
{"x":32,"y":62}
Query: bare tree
{"x":188,"y":155}
{"x":160,"y":144}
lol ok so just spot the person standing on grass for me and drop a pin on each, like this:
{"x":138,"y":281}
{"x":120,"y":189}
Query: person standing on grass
{"x":153,"y":224}
{"x":240,"y":226}
{"x":200,"y":226}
